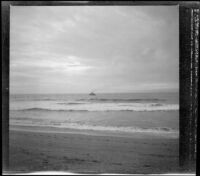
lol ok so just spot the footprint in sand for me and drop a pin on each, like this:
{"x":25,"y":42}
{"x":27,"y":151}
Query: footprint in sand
{"x":45,"y":161}
{"x":147,"y":165}
{"x":117,"y":164}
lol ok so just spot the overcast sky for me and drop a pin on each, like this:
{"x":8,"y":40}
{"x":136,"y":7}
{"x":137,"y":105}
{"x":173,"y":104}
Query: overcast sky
{"x":77,"y":49}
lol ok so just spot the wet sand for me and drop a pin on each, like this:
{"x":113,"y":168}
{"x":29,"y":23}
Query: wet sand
{"x":47,"y":149}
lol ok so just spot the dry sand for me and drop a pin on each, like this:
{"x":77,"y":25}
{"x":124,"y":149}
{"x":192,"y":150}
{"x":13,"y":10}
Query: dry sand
{"x":47,"y":149}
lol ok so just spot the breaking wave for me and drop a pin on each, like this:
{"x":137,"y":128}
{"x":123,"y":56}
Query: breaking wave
{"x":121,"y":100}
{"x":126,"y":129}
{"x":103,"y":107}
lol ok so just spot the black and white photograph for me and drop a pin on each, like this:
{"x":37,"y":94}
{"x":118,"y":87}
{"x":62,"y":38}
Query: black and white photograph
{"x":94,"y":89}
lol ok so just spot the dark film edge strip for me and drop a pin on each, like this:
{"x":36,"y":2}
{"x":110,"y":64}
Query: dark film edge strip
{"x":196,"y":76}
{"x":5,"y":85}
{"x":189,"y":55}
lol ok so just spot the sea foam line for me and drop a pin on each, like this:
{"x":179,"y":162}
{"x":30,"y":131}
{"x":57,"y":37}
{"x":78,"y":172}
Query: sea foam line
{"x":120,"y":129}
{"x":102,"y":107}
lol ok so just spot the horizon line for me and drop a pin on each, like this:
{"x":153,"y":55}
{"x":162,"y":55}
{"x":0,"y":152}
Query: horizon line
{"x":174,"y":91}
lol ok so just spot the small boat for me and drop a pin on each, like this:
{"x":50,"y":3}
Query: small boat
{"x":92,"y":94}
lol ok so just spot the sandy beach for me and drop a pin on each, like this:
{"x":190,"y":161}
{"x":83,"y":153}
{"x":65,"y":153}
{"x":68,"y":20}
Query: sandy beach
{"x":51,"y":149}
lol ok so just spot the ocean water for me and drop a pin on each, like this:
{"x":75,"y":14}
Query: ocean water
{"x":156,"y":113}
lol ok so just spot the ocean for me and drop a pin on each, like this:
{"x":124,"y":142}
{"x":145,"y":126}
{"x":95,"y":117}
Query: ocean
{"x":155,"y":113}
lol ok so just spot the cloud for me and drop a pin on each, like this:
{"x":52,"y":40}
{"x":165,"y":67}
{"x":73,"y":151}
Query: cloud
{"x":78,"y":47}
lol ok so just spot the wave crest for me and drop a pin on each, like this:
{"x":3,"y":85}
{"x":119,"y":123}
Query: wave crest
{"x":121,"y":129}
{"x":121,"y":100}
{"x":105,"y":107}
